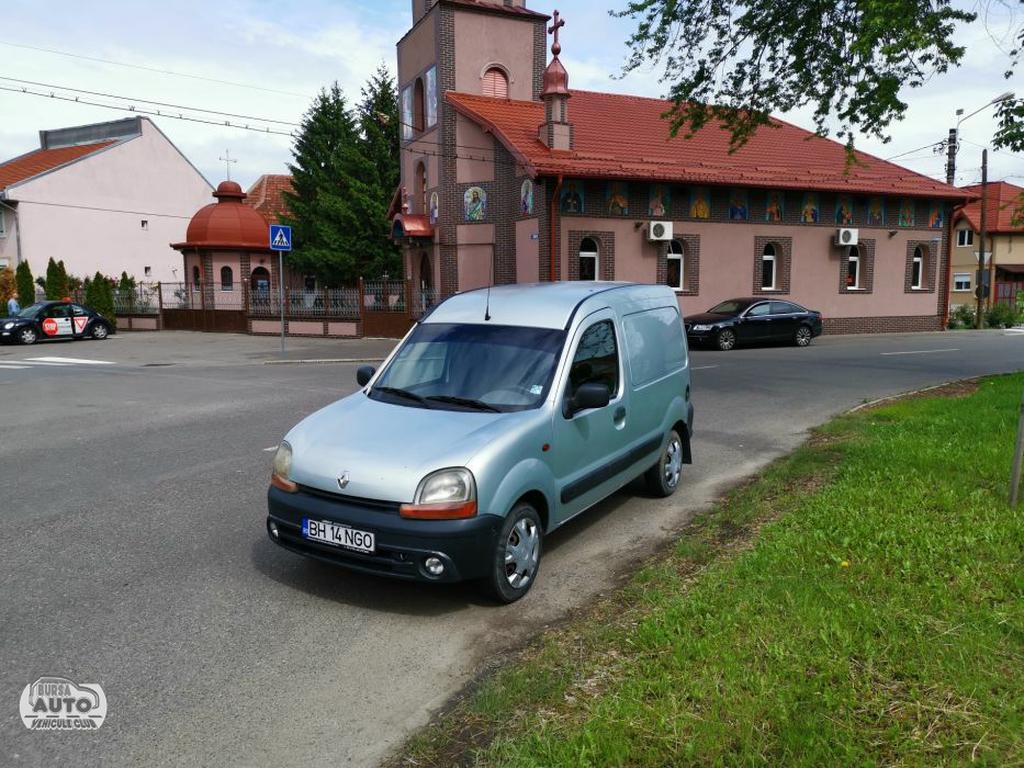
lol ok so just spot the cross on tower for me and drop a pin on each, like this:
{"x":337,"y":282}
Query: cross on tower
{"x":228,"y":160}
{"x":556,"y":48}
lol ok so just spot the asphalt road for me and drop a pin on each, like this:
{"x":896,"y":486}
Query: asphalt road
{"x":133,"y":552}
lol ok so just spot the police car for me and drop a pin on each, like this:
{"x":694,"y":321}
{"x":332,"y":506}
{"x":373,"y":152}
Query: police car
{"x":54,"y":320}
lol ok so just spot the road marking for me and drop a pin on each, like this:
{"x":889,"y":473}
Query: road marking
{"x":33,"y":363}
{"x":703,"y":367}
{"x":9,"y":367}
{"x":271,"y":448}
{"x":69,"y":360}
{"x":919,"y":352}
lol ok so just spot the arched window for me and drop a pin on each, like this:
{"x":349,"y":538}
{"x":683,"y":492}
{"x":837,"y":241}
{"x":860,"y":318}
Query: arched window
{"x":768,"y":268}
{"x":419,"y":119}
{"x":588,"y":259}
{"x":495,"y":83}
{"x":853,"y":269}
{"x":197,"y":277}
{"x":674,"y":275}
{"x":227,"y":279}
{"x":917,"y":269}
{"x":421,"y":186}
{"x":260,"y":280}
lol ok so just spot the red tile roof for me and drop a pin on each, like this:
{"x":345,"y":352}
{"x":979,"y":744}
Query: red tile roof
{"x":498,"y":7}
{"x":626,"y":137}
{"x":40,"y":161}
{"x":412,"y":225}
{"x":267,"y":196}
{"x":1003,"y":203}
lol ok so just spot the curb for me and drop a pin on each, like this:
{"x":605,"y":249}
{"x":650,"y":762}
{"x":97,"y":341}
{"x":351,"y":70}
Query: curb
{"x":912,"y":393}
{"x":328,"y":361}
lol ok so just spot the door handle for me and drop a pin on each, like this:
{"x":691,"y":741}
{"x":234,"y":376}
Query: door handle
{"x":620,"y":413}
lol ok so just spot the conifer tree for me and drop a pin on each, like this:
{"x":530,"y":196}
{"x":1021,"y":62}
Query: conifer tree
{"x":52,"y":286}
{"x":334,"y":209}
{"x":26,"y":286}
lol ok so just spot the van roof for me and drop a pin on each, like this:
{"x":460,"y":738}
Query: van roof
{"x":537,"y":305}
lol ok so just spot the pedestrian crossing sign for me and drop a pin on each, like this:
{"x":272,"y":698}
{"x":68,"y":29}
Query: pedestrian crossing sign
{"x":280,"y":237}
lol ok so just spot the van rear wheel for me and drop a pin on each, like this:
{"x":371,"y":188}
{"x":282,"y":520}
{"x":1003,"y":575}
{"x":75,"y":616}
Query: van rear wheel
{"x":516,"y":557}
{"x":663,"y":478}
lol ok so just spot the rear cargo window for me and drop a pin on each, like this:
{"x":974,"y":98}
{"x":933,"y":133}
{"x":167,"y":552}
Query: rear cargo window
{"x":654,"y":344}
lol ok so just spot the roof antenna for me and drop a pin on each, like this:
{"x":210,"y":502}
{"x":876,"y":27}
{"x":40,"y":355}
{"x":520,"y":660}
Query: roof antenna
{"x":490,"y":281}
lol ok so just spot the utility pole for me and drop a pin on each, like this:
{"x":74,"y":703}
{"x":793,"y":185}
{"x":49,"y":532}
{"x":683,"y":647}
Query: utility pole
{"x":951,"y":153}
{"x":979,"y":320}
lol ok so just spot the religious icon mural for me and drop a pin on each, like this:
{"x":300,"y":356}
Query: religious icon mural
{"x":905,"y":217}
{"x":700,"y":203}
{"x":774,"y":206}
{"x":430,"y":94}
{"x":407,"y":113}
{"x":617,"y":198}
{"x":876,"y":212}
{"x":936,"y":217}
{"x":660,"y":201}
{"x":476,"y":204}
{"x":435,"y":205}
{"x":739,"y":208}
{"x":844,"y":210}
{"x":526,"y":197}
{"x":810,"y":212}
{"x":571,"y":199}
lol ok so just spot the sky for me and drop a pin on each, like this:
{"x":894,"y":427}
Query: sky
{"x":268,"y":59}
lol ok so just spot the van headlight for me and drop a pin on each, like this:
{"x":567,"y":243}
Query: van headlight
{"x":282,"y":469}
{"x":448,"y":494}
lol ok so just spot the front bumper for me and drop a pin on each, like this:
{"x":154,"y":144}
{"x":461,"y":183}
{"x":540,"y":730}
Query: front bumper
{"x":465,"y":547}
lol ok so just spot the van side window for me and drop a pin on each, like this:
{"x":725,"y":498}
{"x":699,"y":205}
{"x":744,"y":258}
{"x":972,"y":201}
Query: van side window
{"x":597,"y":359}
{"x":654,"y":344}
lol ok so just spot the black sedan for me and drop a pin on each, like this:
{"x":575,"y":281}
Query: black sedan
{"x":54,"y":320}
{"x":740,"y":321}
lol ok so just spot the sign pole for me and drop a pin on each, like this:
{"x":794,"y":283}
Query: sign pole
{"x":281,"y":241}
{"x":280,"y":291}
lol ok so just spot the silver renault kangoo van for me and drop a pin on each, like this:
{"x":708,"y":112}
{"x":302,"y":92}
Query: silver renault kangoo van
{"x":503,"y":414}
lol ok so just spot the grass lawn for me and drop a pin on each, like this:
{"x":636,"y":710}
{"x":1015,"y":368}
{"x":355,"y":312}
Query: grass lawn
{"x":862,"y":603}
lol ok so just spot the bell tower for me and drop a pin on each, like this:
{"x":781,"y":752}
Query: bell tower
{"x":556,"y":131}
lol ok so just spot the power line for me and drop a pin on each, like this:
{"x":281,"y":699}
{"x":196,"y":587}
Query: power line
{"x":912,"y":151}
{"x":152,"y":69}
{"x":135,"y":110}
{"x":149,"y":101}
{"x":105,"y":210}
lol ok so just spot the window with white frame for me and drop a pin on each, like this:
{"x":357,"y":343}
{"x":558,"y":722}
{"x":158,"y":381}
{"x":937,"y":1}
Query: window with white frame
{"x":675,"y":271}
{"x":917,"y":269}
{"x":588,"y":259}
{"x":853,"y":269}
{"x":964,"y":237}
{"x":962,"y":281}
{"x":227,"y":279}
{"x":768,"y":268}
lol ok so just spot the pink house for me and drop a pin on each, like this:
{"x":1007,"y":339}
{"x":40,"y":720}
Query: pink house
{"x":107,"y":197}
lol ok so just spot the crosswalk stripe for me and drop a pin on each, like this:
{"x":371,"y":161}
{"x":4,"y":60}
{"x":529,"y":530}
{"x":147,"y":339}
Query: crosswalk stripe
{"x":69,"y":360}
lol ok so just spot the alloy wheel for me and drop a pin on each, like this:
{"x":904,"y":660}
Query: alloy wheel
{"x":803,"y":336}
{"x":726,"y":340}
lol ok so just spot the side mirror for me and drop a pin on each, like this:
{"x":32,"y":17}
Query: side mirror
{"x":364,"y":374}
{"x":591,"y":395}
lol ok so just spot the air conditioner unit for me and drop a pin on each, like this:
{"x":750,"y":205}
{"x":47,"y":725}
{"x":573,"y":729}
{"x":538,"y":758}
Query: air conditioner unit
{"x":848,"y":236}
{"x":659,"y":231}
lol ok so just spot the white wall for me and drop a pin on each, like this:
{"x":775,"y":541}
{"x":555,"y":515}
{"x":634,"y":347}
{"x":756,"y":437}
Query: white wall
{"x":145,"y":178}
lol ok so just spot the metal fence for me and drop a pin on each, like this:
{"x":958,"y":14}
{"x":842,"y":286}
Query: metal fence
{"x":143,"y":299}
{"x":342,"y":303}
{"x":384,"y":296}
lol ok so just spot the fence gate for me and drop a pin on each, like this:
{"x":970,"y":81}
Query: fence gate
{"x":1006,"y":293}
{"x":386,"y":308}
{"x":208,"y":307}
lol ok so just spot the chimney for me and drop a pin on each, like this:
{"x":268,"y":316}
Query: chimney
{"x":556,"y":131}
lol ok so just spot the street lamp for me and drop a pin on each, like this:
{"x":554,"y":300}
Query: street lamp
{"x":954,"y":133}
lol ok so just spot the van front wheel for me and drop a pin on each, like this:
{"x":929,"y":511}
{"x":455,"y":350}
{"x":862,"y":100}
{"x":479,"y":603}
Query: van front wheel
{"x":516,"y":557}
{"x":663,"y":478}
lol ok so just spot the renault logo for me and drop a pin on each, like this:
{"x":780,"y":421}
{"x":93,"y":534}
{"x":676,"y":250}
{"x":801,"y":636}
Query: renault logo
{"x":343,"y":480}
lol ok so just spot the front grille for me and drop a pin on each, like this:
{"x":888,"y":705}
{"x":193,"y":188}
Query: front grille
{"x":373,"y":505}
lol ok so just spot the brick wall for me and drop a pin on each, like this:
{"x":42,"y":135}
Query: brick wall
{"x":930,"y":264}
{"x":783,"y":263}
{"x":866,"y":249}
{"x":691,"y":264}
{"x":911,"y":324}
{"x":451,"y":205}
{"x":605,"y":253}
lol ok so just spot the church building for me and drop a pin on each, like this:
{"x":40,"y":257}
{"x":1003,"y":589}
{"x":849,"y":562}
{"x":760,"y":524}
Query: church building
{"x":508,"y":175}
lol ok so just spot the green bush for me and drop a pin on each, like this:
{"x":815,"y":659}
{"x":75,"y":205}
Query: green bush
{"x":962,"y":317}
{"x":1001,"y":316}
{"x":99,"y":295}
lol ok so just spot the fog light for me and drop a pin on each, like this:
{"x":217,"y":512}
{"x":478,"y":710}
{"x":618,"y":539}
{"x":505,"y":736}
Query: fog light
{"x":273,"y":530}
{"x":434,"y":566}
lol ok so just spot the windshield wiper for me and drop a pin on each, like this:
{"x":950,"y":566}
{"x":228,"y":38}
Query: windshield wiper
{"x":401,"y":393}
{"x":478,"y":405}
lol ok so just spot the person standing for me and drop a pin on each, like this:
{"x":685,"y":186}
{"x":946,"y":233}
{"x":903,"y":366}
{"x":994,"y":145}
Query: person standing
{"x":13,"y":307}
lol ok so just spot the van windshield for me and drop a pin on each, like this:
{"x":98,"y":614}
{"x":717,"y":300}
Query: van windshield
{"x":489,"y":368}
